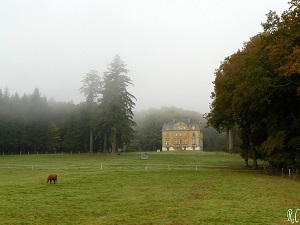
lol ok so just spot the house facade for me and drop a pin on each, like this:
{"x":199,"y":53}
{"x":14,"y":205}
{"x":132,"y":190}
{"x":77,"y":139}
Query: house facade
{"x":184,"y":134}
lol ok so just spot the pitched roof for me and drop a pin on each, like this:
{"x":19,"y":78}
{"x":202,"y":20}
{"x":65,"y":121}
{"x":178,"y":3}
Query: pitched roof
{"x":190,"y":122}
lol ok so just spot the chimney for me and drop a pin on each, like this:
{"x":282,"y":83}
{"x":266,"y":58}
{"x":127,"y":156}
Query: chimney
{"x":189,"y":120}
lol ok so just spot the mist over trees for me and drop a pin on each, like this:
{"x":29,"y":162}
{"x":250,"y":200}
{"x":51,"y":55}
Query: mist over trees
{"x":31,"y":123}
{"x":34,"y":124}
{"x":114,"y":120}
{"x":150,"y":122}
{"x":256,"y":93}
{"x":257,"y":89}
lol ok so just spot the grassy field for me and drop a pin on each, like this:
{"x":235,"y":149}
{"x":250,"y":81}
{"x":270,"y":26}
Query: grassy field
{"x":168,"y":188}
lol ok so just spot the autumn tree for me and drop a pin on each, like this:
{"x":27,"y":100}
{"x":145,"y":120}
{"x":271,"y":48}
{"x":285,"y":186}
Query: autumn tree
{"x":256,"y":88}
{"x":282,"y":41}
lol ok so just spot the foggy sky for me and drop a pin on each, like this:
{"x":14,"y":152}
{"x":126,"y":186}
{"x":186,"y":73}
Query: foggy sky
{"x":171,"y":47}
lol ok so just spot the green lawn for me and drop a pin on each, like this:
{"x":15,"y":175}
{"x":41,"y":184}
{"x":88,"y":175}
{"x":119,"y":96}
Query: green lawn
{"x":168,"y":188}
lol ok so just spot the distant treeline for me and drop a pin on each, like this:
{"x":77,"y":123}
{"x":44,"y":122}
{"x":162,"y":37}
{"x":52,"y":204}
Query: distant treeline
{"x":32,"y":123}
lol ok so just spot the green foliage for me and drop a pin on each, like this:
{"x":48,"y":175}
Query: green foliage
{"x":31,"y":123}
{"x":91,"y":86}
{"x":54,"y":139}
{"x":115,"y":117}
{"x":72,"y":138}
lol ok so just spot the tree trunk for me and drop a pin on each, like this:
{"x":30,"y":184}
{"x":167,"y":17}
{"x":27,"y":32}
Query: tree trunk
{"x":91,"y":142}
{"x":114,"y":143}
{"x":252,"y":149}
{"x":104,"y":144}
{"x":230,"y":140}
{"x":246,"y":157}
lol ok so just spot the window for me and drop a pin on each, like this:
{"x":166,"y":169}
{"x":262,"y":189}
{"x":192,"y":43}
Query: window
{"x":176,"y":134}
{"x":184,"y":134}
{"x":180,"y":134}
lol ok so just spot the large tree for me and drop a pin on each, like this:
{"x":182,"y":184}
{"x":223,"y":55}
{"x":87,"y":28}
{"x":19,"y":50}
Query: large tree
{"x":115,"y":117}
{"x":91,"y":89}
{"x":241,"y":94}
{"x":256,"y":88}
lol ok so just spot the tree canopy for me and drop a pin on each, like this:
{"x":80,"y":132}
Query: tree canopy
{"x":115,"y":117}
{"x":257,"y":88}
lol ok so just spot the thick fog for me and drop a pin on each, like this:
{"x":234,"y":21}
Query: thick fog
{"x":171,"y":47}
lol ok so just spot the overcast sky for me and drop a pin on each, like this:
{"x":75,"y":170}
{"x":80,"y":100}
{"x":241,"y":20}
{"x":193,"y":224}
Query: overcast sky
{"x":171,"y":47}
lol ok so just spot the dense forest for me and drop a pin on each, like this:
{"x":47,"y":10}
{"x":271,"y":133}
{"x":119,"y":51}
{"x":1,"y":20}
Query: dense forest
{"x":34,"y":124}
{"x":105,"y":122}
{"x":257,"y":91}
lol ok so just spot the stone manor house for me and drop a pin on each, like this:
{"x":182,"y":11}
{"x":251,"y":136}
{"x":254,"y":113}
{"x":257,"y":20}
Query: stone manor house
{"x":184,"y":134}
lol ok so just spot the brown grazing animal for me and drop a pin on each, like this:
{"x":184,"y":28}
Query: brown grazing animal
{"x":52,"y":177}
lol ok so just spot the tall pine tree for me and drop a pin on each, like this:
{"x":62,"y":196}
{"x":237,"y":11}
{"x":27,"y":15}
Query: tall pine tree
{"x":91,"y":89}
{"x":115,"y":122}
